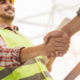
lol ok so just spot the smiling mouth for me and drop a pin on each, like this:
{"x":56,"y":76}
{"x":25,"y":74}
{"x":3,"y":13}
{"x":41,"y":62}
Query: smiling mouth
{"x":9,"y":11}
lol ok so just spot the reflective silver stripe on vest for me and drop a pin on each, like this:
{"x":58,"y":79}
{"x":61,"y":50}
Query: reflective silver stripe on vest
{"x":38,"y":76}
{"x":7,"y":71}
{"x":39,"y":59}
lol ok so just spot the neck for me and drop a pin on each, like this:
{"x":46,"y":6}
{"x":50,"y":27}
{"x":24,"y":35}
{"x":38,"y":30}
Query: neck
{"x":6,"y":22}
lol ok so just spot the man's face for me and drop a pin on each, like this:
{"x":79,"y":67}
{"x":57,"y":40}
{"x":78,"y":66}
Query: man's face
{"x":7,"y":10}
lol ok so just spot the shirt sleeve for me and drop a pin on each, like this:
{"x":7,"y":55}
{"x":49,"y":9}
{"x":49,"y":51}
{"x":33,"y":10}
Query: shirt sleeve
{"x":9,"y":57}
{"x":78,"y":12}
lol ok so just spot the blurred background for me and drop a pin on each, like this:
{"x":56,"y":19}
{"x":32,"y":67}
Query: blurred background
{"x":35,"y":18}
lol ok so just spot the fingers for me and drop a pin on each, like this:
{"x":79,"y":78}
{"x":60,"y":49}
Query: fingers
{"x":53,"y":54}
{"x":56,"y":44}
{"x":56,"y":33}
{"x":59,"y":54}
{"x":60,"y":44}
{"x":48,"y":57}
{"x":61,"y":40}
{"x":46,"y":38}
{"x":59,"y":48}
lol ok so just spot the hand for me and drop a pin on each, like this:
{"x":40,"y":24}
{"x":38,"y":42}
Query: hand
{"x":56,"y":33}
{"x":55,"y":44}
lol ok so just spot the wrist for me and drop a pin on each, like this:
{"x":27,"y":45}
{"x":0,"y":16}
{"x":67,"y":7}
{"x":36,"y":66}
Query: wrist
{"x":28,"y":53}
{"x":66,"y":33}
{"x":31,"y":52}
{"x":39,"y":50}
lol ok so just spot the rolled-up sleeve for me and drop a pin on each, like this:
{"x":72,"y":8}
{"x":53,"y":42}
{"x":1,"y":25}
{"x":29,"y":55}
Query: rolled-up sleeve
{"x":78,"y":12}
{"x":9,"y":57}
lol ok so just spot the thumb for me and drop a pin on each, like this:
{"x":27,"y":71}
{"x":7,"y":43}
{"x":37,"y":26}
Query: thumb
{"x":46,"y":38}
{"x":65,"y":35}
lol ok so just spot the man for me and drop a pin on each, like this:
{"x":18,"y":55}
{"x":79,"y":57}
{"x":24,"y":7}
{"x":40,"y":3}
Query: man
{"x":66,"y":31}
{"x":19,"y":58}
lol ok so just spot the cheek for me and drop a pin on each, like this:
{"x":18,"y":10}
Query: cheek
{"x":14,"y":9}
{"x":2,"y":8}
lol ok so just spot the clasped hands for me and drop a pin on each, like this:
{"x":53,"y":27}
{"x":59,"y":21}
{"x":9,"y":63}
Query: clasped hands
{"x":56,"y":43}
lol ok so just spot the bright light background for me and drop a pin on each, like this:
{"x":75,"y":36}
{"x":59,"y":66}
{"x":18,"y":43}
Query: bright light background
{"x":35,"y":18}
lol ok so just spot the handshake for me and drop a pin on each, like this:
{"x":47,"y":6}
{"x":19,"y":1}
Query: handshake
{"x":56,"y":44}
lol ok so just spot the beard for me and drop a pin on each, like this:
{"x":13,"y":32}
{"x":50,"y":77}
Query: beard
{"x":6,"y":17}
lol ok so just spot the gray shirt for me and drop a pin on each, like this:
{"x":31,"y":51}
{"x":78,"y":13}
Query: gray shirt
{"x":78,"y":12}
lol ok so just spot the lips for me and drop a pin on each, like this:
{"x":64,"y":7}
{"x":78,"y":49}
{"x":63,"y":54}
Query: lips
{"x":9,"y":11}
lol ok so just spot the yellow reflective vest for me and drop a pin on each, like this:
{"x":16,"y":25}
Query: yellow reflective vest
{"x":33,"y":69}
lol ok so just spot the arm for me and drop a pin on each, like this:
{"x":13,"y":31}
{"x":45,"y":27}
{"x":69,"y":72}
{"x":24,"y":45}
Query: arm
{"x":66,"y":32}
{"x":72,"y":27}
{"x":54,"y":44}
{"x":9,"y":57}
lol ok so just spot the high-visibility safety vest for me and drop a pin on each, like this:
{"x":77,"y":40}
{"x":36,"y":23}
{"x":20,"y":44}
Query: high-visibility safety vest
{"x":33,"y":69}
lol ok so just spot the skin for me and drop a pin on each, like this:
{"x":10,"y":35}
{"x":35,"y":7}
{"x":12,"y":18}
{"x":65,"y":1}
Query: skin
{"x":5,"y":16}
{"x":57,"y":33}
{"x":59,"y":44}
{"x":66,"y":32}
{"x":54,"y":44}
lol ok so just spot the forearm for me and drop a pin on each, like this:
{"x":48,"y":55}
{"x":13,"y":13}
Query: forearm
{"x":72,"y":27}
{"x":54,"y":44}
{"x":29,"y":53}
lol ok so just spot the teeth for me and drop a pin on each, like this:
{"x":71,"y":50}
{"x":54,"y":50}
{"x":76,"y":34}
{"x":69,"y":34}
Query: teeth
{"x":10,"y":11}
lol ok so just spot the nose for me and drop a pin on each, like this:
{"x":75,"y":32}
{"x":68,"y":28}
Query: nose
{"x":8,"y":3}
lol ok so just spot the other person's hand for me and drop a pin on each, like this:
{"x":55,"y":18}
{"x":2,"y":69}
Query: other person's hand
{"x":56,"y":33}
{"x":55,"y":44}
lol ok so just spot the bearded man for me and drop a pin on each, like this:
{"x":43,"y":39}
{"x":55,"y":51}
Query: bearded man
{"x":19,"y":58}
